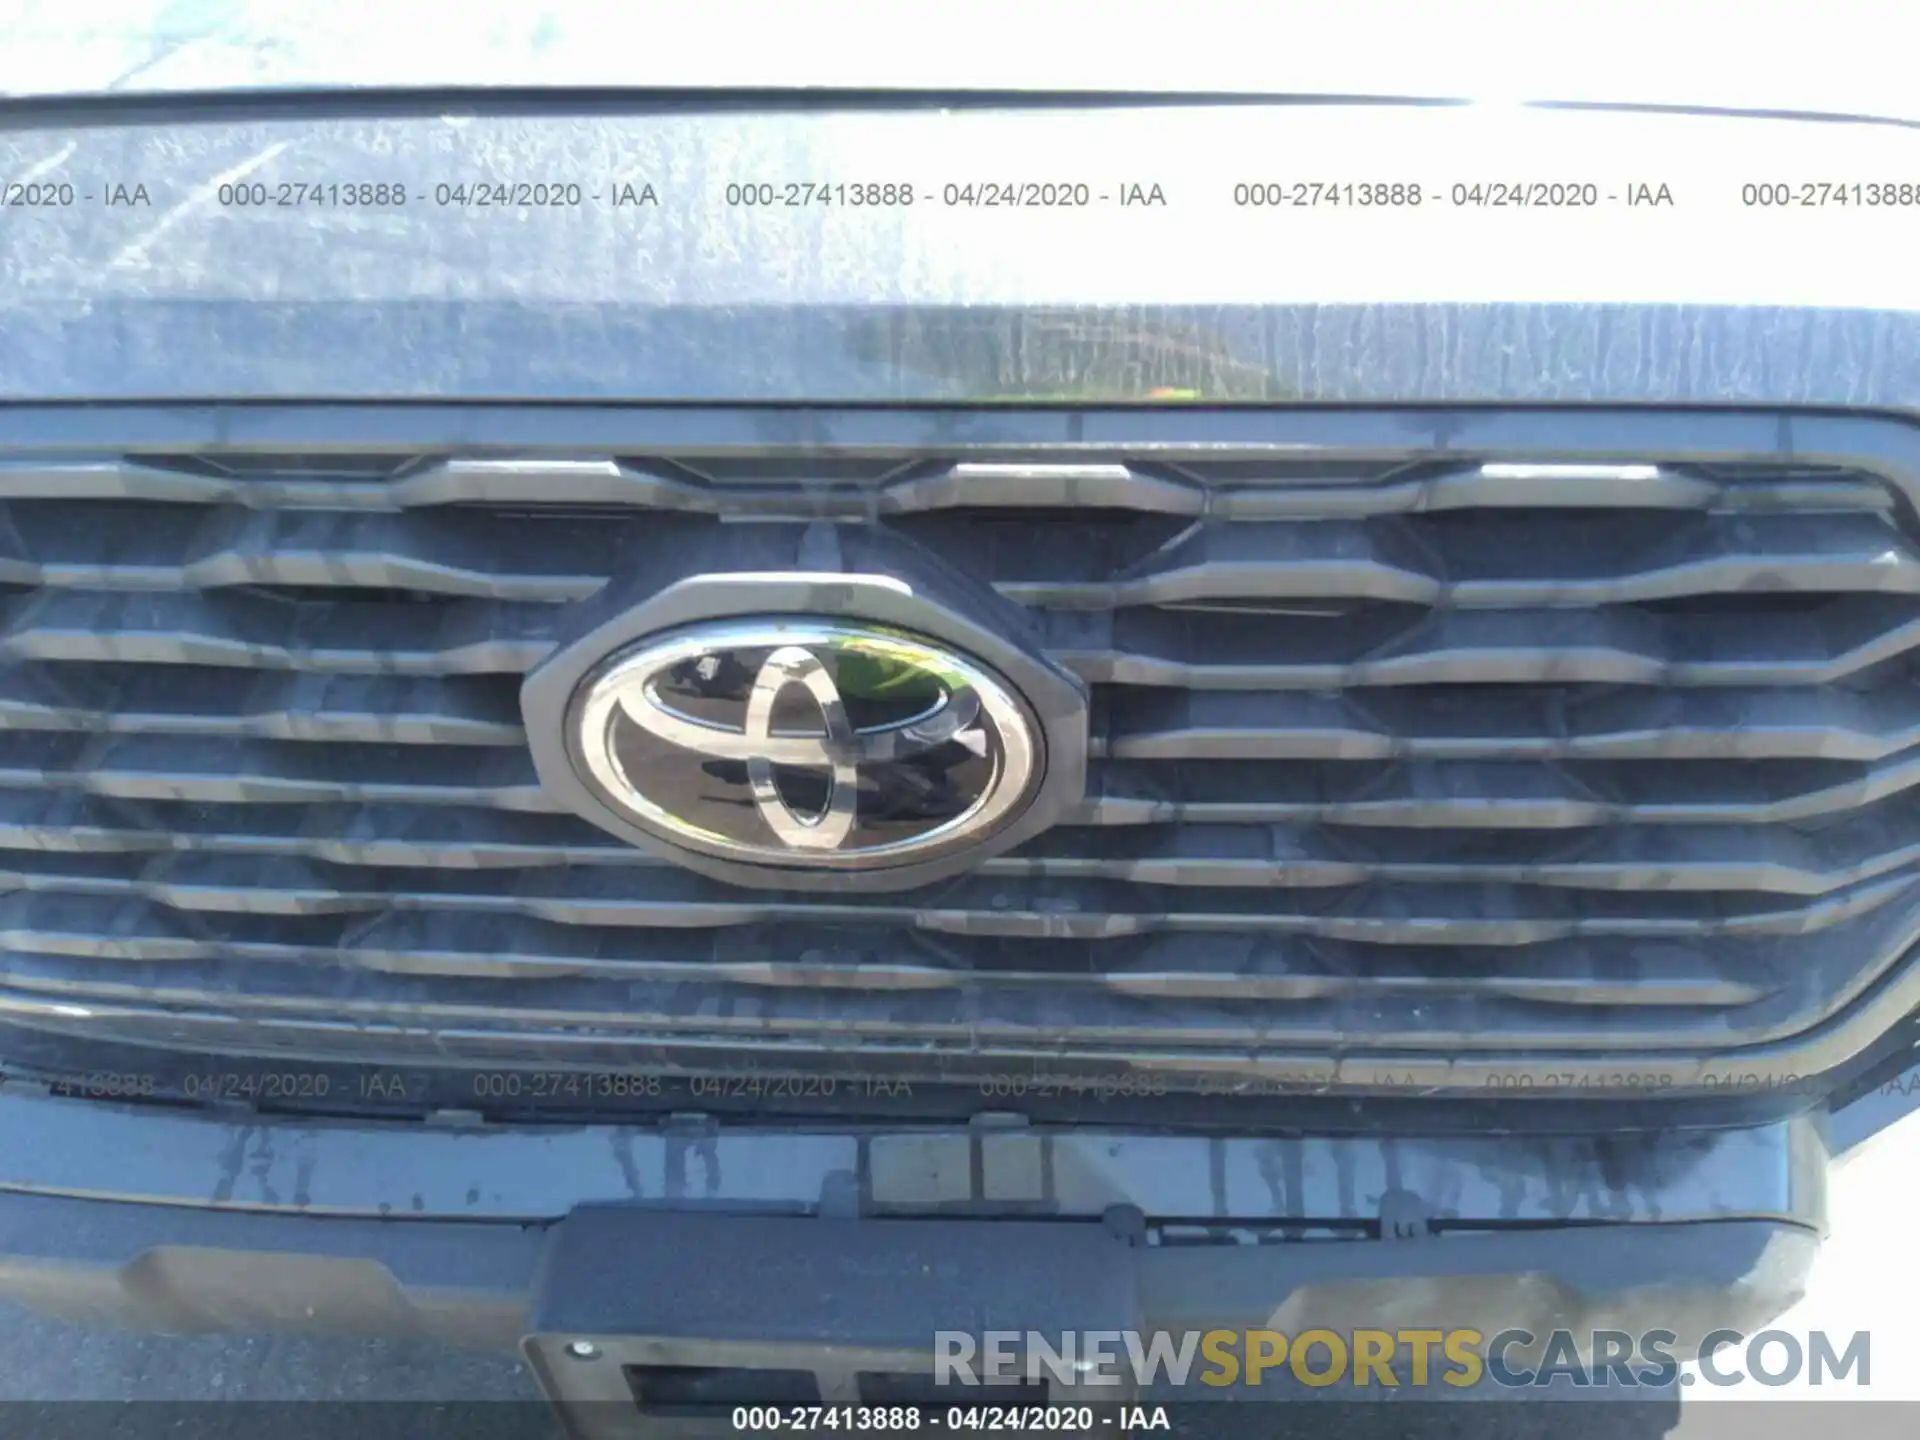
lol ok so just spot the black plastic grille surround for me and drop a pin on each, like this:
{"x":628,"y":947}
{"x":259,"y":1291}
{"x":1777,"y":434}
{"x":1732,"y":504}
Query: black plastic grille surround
{"x":1407,"y":768}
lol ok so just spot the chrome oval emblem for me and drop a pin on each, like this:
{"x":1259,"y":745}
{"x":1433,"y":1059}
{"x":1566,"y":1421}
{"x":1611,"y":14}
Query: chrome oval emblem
{"x":805,"y":743}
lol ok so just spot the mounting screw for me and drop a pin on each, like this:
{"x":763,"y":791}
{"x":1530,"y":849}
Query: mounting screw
{"x":583,"y":1350}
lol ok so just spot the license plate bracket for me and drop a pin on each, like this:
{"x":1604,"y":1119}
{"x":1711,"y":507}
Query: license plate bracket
{"x":658,"y":1316}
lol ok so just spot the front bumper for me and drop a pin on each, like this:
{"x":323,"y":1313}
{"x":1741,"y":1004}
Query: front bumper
{"x":193,"y":1222}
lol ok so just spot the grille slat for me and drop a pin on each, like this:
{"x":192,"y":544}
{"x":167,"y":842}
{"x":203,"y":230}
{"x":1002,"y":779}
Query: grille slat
{"x":1362,"y":649}
{"x":1148,"y":648}
{"x":1252,"y":489}
{"x":1503,"y":560}
{"x":1497,"y":562}
{"x":1019,"y":1011}
{"x":1538,"y":723}
{"x":453,"y":836}
{"x":655,"y":896}
{"x":1734,"y":861}
{"x":182,"y":700}
{"x":1476,"y":795}
{"x":164,"y":547}
{"x":463,"y":637}
{"x":1391,"y":752}
{"x":213,"y":771}
{"x":1205,"y":967}
{"x":1432,"y":795}
{"x":760,"y":1018}
{"x":1549,"y":487}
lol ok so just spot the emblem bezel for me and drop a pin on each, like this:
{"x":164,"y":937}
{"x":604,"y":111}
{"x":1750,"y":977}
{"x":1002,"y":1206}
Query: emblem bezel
{"x":931,"y":604}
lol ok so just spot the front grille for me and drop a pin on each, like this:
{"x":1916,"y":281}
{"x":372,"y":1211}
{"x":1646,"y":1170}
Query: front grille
{"x":1410,"y":762}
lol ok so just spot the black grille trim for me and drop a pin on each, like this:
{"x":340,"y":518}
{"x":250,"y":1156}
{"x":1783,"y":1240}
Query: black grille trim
{"x":1387,"y":770}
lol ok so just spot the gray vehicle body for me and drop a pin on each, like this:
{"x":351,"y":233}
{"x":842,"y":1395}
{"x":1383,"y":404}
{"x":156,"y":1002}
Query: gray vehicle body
{"x":1695,"y":1210}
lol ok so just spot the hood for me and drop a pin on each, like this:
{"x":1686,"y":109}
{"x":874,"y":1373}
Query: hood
{"x":1827,"y":58}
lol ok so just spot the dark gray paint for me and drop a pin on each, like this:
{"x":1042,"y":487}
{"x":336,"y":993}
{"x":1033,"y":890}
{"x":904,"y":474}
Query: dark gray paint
{"x":537,"y":1173}
{"x":195,"y":1270}
{"x":697,"y":301}
{"x":171,"y":47}
{"x":89,"y":340}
